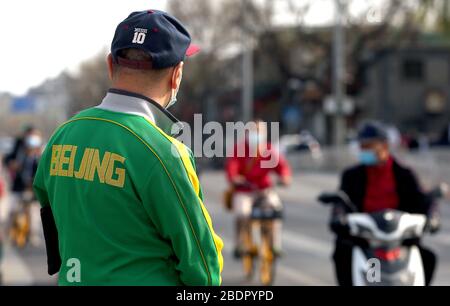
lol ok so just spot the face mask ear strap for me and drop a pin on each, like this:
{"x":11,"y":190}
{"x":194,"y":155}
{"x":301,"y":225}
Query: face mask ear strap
{"x":173,"y":96}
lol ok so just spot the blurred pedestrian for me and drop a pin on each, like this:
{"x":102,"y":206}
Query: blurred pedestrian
{"x":12,"y":159}
{"x":21,"y":210}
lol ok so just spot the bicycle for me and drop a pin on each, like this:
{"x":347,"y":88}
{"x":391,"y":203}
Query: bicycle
{"x":19,"y":231}
{"x":262,"y":220}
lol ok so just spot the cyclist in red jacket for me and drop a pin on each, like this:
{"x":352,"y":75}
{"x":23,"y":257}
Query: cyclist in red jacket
{"x":248,"y":169}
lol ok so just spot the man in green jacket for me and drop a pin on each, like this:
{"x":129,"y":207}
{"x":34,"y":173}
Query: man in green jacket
{"x":121,"y":201}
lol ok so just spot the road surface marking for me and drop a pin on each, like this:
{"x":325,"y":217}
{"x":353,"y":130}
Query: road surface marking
{"x":299,"y":277}
{"x":307,"y":244}
{"x":441,"y":240}
{"x":291,"y":273}
{"x":15,"y":271}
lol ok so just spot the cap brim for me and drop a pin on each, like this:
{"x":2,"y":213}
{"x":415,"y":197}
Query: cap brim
{"x":192,"y":49}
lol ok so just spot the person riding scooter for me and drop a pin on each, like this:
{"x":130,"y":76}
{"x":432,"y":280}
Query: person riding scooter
{"x":379,"y":182}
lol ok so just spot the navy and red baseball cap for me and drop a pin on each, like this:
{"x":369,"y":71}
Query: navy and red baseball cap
{"x":157,"y":33}
{"x":372,"y":130}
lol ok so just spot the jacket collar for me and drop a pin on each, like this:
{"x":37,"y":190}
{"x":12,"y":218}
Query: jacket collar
{"x":123,"y":101}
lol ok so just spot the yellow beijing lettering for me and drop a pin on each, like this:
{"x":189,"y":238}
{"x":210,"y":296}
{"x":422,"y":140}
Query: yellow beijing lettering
{"x":64,"y":160}
{"x":99,"y":166}
{"x":120,"y":172}
{"x":80,"y":173}
{"x":63,"y":164}
{"x":73,"y":152}
{"x":88,"y":165}
{"x":54,"y":163}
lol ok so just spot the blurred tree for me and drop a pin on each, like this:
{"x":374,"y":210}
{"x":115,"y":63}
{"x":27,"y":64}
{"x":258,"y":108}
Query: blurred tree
{"x":282,"y":53}
{"x":87,"y":87}
{"x":216,"y":26}
{"x":219,"y":28}
{"x":295,"y":51}
{"x":435,"y":14}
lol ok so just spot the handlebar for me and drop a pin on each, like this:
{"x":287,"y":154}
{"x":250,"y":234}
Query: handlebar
{"x":341,"y":198}
{"x":252,"y":186}
{"x":337,"y":198}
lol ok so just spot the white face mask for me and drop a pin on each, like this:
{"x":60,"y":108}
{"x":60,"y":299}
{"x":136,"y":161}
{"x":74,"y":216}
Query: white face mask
{"x":173,"y":98}
{"x":33,"y":141}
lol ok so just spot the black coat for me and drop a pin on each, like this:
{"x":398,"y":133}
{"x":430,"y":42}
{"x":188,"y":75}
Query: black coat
{"x":24,"y":177}
{"x":411,"y":198}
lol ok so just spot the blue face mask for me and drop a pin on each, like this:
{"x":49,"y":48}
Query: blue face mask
{"x":368,"y":158}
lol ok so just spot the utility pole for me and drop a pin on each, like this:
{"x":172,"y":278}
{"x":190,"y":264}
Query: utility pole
{"x":339,"y":129}
{"x":247,"y":69}
{"x":247,"y":81}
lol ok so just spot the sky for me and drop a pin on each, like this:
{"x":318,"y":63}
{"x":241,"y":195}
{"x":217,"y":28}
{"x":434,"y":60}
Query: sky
{"x":42,"y":38}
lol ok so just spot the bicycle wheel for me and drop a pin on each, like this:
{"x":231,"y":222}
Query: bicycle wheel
{"x":23,"y":229}
{"x":267,"y":272}
{"x":13,"y":229}
{"x":248,"y":254}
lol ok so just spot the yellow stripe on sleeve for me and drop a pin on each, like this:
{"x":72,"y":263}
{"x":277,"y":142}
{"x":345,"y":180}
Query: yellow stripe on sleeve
{"x":185,"y":157}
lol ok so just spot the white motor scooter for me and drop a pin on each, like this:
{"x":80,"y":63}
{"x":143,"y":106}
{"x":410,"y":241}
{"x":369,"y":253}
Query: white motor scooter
{"x":385,"y":251}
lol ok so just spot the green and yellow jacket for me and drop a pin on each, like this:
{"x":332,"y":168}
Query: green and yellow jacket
{"x":126,"y":199}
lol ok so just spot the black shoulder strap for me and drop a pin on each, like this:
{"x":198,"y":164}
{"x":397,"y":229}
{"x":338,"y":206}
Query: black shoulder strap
{"x":51,"y":240}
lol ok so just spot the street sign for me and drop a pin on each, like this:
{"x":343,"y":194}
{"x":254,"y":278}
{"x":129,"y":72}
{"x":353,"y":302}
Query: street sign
{"x":24,"y":104}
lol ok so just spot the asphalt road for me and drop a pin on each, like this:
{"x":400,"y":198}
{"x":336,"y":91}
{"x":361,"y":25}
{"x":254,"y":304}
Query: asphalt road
{"x":306,"y":241}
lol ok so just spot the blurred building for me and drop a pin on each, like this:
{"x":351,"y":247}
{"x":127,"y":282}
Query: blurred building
{"x":408,"y":87}
{"x":51,"y":100}
{"x":44,"y":106}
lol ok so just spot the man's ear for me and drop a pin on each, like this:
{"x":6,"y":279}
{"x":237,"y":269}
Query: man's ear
{"x":177,"y":75}
{"x":109,"y":62}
